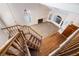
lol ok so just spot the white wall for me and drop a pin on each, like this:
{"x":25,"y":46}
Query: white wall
{"x":3,"y":37}
{"x":62,"y":13}
{"x":37,"y":11}
{"x":3,"y":34}
{"x":6,"y":18}
{"x":13,"y":14}
{"x":66,"y":15}
{"x":68,"y":11}
{"x":71,"y":7}
{"x":5,"y":15}
{"x":74,"y":17}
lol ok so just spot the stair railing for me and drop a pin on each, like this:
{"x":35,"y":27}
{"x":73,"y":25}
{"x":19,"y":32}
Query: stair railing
{"x":12,"y":29}
{"x":35,"y":43}
{"x":16,"y":42}
{"x":64,"y":43}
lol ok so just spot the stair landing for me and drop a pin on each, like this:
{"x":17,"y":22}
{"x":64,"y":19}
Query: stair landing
{"x":50,"y":43}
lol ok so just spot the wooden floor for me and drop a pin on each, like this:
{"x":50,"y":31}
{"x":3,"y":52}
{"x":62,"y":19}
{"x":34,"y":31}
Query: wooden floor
{"x":50,"y":43}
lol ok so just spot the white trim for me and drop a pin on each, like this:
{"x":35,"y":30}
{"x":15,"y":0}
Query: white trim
{"x":58,"y":25}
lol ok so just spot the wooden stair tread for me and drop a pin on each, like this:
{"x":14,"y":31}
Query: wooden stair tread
{"x":71,"y":51}
{"x":51,"y":43}
{"x":69,"y":30}
{"x":72,"y":47}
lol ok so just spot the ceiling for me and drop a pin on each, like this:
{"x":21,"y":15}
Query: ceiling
{"x":72,"y":7}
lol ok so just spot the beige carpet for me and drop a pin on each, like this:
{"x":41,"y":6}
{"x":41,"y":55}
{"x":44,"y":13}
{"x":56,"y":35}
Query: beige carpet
{"x":45,"y":28}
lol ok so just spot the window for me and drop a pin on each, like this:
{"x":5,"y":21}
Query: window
{"x":57,"y":19}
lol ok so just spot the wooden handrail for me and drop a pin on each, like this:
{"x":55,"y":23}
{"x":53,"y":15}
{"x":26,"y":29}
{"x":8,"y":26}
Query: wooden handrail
{"x":22,"y":47}
{"x":11,"y":27}
{"x":68,"y":51}
{"x":35,"y":31}
{"x":14,"y":38}
{"x":55,"y":52}
{"x":32,"y":30}
{"x":71,"y":46}
{"x":4,"y":47}
{"x":22,"y":28}
{"x":75,"y":54}
{"x":35,"y":36}
{"x":38,"y":39}
{"x":23,"y":36}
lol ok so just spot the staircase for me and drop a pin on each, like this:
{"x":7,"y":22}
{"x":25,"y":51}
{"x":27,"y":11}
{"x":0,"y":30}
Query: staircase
{"x":15,"y":46}
{"x":23,"y":43}
{"x":50,"y":43}
{"x":12,"y":30}
{"x":72,"y":47}
{"x":33,"y":42}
